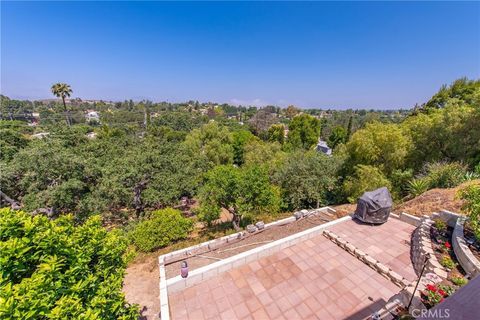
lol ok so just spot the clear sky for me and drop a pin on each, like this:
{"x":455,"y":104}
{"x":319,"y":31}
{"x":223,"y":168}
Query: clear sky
{"x":322,"y":54}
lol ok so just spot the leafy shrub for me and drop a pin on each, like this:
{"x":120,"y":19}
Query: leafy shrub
{"x":447,"y":262}
{"x":445,"y":175}
{"x":365,"y":178}
{"x":56,"y":270}
{"x":161,"y":229}
{"x":400,"y":181}
{"x":471,"y":195}
{"x":418,"y":186}
{"x":440,"y":225}
{"x":459,"y":281}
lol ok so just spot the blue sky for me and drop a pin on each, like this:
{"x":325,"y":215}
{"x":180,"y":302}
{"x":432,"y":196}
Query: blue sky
{"x":322,"y":54}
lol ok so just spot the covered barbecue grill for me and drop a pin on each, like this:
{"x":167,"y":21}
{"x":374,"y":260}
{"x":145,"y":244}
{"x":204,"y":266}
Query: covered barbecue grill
{"x":374,"y":206}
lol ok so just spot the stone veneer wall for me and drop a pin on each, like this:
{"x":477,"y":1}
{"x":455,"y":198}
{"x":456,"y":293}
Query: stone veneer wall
{"x":421,"y":246}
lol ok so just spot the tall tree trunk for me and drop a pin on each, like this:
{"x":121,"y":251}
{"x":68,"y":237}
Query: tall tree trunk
{"x":67,"y":115}
{"x":236,"y":219}
{"x":137,"y":198}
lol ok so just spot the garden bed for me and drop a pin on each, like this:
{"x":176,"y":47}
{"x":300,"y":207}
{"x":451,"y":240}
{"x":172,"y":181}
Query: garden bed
{"x":441,"y":239}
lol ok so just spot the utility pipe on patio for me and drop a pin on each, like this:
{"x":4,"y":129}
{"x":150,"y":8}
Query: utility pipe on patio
{"x":427,"y":257}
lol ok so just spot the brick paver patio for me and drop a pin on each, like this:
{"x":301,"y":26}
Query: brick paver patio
{"x":314,"y":279}
{"x":389,"y":243}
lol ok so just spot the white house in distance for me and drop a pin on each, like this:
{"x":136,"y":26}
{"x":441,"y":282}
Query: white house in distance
{"x":92,"y":116}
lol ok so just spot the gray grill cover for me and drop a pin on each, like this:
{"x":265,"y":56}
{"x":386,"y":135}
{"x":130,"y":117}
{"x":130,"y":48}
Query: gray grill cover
{"x":374,"y":206}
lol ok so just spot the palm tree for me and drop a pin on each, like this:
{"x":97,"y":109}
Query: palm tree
{"x":63,"y":90}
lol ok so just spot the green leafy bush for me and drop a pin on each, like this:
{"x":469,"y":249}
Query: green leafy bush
{"x":400,"y":181}
{"x":447,"y":262}
{"x":365,"y":178}
{"x":459,"y":281}
{"x":471,"y":195}
{"x":161,"y":229}
{"x":56,"y":270}
{"x":445,"y":175}
{"x":440,"y":225}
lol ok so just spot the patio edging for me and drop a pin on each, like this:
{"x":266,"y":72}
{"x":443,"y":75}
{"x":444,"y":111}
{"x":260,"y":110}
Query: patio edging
{"x":364,"y":257}
{"x":208,"y":271}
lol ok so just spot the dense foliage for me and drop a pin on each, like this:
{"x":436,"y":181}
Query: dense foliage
{"x":161,"y":229}
{"x":145,"y":156}
{"x":364,"y":178}
{"x":471,"y":195}
{"x":307,"y":179}
{"x":241,"y":191}
{"x":56,"y":270}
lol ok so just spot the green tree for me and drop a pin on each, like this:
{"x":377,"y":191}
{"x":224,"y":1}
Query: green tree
{"x":384,"y":146}
{"x":264,"y":153}
{"x":63,"y":90}
{"x":365,"y":178}
{"x":55,"y":269}
{"x":210,"y":145}
{"x":154,"y":173}
{"x":463,"y":89}
{"x":448,"y":134}
{"x":304,"y":131}
{"x":306,"y":179}
{"x":276,"y":133}
{"x":240,"y":139}
{"x":349,"y":128}
{"x":242,"y":191}
{"x":338,"y":136}
{"x":12,"y":138}
{"x":48,"y":175}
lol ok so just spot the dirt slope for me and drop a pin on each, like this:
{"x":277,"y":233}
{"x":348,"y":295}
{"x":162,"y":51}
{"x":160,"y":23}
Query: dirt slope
{"x":434,"y":200}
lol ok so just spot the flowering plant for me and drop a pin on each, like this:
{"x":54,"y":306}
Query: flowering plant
{"x":445,"y":248}
{"x":433,"y":294}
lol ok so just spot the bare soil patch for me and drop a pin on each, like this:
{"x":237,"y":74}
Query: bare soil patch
{"x":344,"y":209}
{"x":141,"y":287}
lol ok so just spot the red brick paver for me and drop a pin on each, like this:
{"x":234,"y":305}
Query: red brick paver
{"x":389,"y":243}
{"x":314,"y":279}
